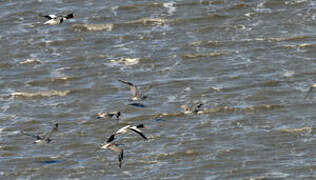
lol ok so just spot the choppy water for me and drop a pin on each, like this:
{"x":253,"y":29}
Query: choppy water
{"x":250,"y":62}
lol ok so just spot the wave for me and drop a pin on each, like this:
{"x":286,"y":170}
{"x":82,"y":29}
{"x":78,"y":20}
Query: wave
{"x":31,"y":61}
{"x":93,"y":27}
{"x":297,"y":130}
{"x":39,"y":94}
{"x":201,"y":55}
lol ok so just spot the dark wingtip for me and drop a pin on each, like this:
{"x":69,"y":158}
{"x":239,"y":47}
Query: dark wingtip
{"x":45,"y":16}
{"x":140,"y":126}
{"x":145,"y":138}
{"x":137,"y":105}
{"x":118,"y":115}
{"x":120,"y":158}
{"x":71,"y":15}
{"x":38,"y":137}
{"x":111,"y":138}
{"x":309,"y":92}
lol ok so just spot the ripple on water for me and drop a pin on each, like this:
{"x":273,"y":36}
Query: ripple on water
{"x":249,"y":62}
{"x":39,"y":94}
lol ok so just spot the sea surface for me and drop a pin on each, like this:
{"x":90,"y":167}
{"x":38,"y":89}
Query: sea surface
{"x":250,"y":62}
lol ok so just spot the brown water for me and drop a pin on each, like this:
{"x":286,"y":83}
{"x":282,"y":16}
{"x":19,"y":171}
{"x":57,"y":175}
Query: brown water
{"x":250,"y":63}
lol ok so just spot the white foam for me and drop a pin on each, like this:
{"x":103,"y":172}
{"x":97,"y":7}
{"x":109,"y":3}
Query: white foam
{"x":125,"y":61}
{"x":171,"y":98}
{"x":288,"y":73}
{"x":188,"y":89}
{"x":217,"y":88}
{"x":279,"y":175}
{"x":31,"y":61}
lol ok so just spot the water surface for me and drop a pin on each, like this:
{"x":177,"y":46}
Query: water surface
{"x":249,"y":62}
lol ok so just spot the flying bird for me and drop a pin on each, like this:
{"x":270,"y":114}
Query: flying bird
{"x":112,"y":146}
{"x":128,"y":128}
{"x":137,"y":95}
{"x":117,"y":114}
{"x":53,"y":19}
{"x":43,"y":139}
{"x":195,"y":108}
{"x":310,"y":90}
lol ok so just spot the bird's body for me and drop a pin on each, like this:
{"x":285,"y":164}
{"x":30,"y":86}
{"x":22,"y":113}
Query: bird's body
{"x":112,"y":146}
{"x":54,"y":20}
{"x":195,"y":108}
{"x":46,"y":138}
{"x":135,"y":129}
{"x":310,"y":90}
{"x":117,"y":114}
{"x":137,"y":96}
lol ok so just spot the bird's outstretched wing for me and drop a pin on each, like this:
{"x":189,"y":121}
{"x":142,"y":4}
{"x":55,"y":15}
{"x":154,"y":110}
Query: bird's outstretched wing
{"x":309,"y":92}
{"x":49,"y":134}
{"x":138,"y":132}
{"x":37,"y":137}
{"x":50,"y":16}
{"x":111,"y":138}
{"x":131,"y":86}
{"x":119,"y":151}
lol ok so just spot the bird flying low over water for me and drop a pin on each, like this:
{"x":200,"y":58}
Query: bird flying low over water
{"x":43,"y":139}
{"x":117,"y":114}
{"x":136,"y":94}
{"x":194,"y":108}
{"x":114,"y":147}
{"x":310,"y":90}
{"x":53,"y":19}
{"x":111,"y":145}
{"x":135,"y":129}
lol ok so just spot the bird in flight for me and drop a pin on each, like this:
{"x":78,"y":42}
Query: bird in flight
{"x":114,"y":147}
{"x":137,"y":95}
{"x":135,"y":129}
{"x":117,"y":114}
{"x":45,"y":138}
{"x":310,"y":90}
{"x":194,"y":108}
{"x":53,"y":19}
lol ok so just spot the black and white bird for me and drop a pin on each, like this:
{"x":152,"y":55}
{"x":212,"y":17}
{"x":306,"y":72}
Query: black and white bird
{"x":114,"y":147}
{"x":310,"y":90}
{"x":194,"y":108}
{"x":53,"y":19}
{"x":117,"y":114}
{"x":137,"y":95}
{"x":45,"y":138}
{"x":135,"y":129}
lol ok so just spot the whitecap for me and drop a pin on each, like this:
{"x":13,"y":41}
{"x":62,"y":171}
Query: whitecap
{"x":288,"y":73}
{"x":171,"y":98}
{"x":188,"y":89}
{"x":40,"y":94}
{"x":125,"y":61}
{"x":31,"y":61}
